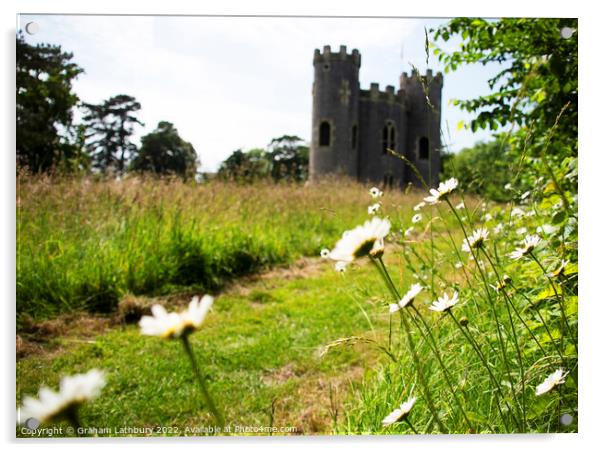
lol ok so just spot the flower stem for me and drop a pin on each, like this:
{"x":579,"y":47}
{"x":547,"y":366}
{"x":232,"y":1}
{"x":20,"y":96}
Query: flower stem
{"x":202,"y":383}
{"x":411,"y":426}
{"x":479,"y":352}
{"x":491,"y":304}
{"x":427,"y":393}
{"x":560,"y":300}
{"x":433,"y":346}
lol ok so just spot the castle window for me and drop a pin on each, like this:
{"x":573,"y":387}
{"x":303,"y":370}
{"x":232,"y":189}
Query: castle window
{"x":423,"y":148}
{"x":354,"y":136}
{"x":388,"y":138}
{"x":324,"y":134}
{"x":326,"y":67}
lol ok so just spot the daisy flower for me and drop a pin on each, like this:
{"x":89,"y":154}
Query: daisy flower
{"x":487,"y":217}
{"x":521,"y":231}
{"x":444,"y":304}
{"x":530,"y":242}
{"x":560,"y":270}
{"x":408,"y":231}
{"x":325,"y":253}
{"x":416,"y":218}
{"x":73,"y":391}
{"x":461,"y":206}
{"x":444,"y":189}
{"x":374,"y":208}
{"x":408,"y":298}
{"x":400,"y":413}
{"x":175,"y":325}
{"x":547,"y":229}
{"x":419,"y":206}
{"x":508,"y":186}
{"x":360,"y":241}
{"x":499,"y":228}
{"x":551,"y":381}
{"x":517,"y":212}
{"x":375,"y":192}
{"x":340,"y":266}
{"x":476,"y":240}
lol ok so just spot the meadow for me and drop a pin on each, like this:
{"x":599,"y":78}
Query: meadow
{"x":290,"y":342}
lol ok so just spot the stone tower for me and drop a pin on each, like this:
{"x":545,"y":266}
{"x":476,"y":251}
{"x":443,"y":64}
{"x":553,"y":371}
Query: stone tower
{"x":423,"y":96}
{"x":352,"y":129}
{"x":334,"y":141}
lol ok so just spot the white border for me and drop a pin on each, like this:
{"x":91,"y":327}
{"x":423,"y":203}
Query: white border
{"x":589,"y":162}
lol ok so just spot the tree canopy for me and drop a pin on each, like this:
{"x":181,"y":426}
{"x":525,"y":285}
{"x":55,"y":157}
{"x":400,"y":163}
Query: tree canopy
{"x":44,"y":100}
{"x":164,"y":152}
{"x":537,"y":83}
{"x":110,"y":125}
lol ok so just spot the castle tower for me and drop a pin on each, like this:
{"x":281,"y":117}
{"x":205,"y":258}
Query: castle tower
{"x":335,"y":129}
{"x":423,"y":143}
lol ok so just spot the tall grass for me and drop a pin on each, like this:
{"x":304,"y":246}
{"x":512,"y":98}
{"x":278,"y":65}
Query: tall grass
{"x":82,"y":243}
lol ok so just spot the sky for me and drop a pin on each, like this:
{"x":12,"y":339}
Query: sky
{"x":230,"y":83}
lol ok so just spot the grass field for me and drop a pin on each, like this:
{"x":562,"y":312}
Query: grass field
{"x":86,"y":248}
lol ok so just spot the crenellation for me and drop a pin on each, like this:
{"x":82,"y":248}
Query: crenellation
{"x":352,"y":128}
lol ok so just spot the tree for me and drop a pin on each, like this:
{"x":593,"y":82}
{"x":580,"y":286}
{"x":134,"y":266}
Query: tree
{"x":290,"y":158}
{"x":483,"y":169}
{"x":247,"y":166}
{"x":537,"y":83}
{"x":164,"y":152}
{"x":45,"y":134}
{"x":110,"y":126}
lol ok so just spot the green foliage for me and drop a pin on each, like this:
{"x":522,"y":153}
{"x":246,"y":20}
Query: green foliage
{"x":164,"y":152}
{"x":109,"y":126}
{"x":45,"y":134}
{"x":484,"y":169}
{"x":289,"y":158}
{"x":537,"y":80}
{"x":286,"y":159}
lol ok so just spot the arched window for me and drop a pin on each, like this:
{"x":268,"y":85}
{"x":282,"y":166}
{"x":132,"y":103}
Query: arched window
{"x":324,"y":133}
{"x":423,"y":148}
{"x":354,"y":136}
{"x":388,"y":138}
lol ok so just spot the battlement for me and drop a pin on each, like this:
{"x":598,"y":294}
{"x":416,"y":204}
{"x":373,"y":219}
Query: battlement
{"x":374,"y":94}
{"x":415,"y":78}
{"x":327,"y":55}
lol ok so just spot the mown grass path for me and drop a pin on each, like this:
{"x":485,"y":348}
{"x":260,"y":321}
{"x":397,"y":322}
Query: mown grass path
{"x":260,"y":347}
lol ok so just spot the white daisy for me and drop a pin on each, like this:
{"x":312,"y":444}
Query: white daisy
{"x":508,"y":186}
{"x":547,"y":229}
{"x":487,"y":217}
{"x":410,"y":295}
{"x":325,"y":253}
{"x":476,"y":240}
{"x":400,"y":413}
{"x":340,"y":266}
{"x":73,"y":391}
{"x":560,"y":270}
{"x":551,"y":381}
{"x":374,"y":208}
{"x":461,"y":206}
{"x":444,"y":189}
{"x":393,"y":307}
{"x":525,"y":195}
{"x":521,"y":231}
{"x":419,"y":206}
{"x":375,"y":192}
{"x":361,"y":240}
{"x":459,"y":265}
{"x":530,"y":242}
{"x":416,"y":218}
{"x":499,"y":228}
{"x":408,"y":231}
{"x":174,"y":325}
{"x":444,"y":303}
{"x":517,"y":212}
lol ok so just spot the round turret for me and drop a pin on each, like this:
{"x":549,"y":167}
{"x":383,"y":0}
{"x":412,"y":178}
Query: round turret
{"x":334,"y":138}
